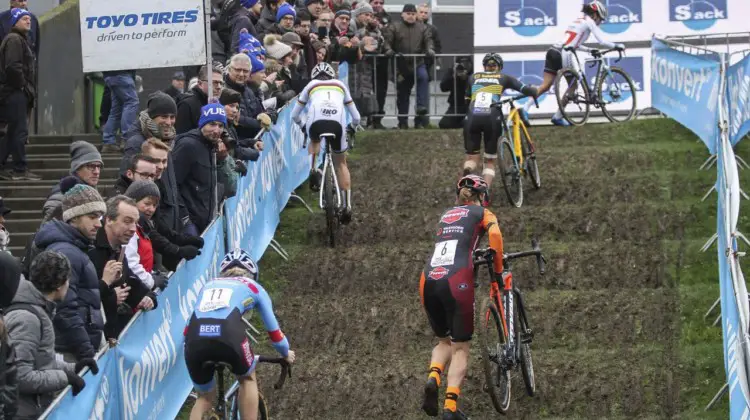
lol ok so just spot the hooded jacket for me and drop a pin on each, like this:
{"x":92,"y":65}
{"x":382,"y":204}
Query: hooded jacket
{"x":195,"y":169}
{"x":18,"y":66}
{"x":54,"y":200}
{"x":189,"y":110}
{"x":266,"y":21}
{"x":40,"y":375}
{"x":78,"y":322}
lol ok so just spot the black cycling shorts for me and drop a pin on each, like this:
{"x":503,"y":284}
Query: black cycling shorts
{"x":217,"y":340}
{"x":338,"y":145}
{"x":449,"y":304}
{"x":488,"y":126}
{"x":553,"y":62}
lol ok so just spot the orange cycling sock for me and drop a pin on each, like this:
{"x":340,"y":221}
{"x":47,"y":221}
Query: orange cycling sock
{"x":451,"y":398}
{"x":436,"y":369}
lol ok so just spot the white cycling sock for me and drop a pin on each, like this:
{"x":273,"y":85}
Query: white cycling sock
{"x":557,"y":116}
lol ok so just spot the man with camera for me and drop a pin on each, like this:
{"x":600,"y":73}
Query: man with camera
{"x":455,"y":81}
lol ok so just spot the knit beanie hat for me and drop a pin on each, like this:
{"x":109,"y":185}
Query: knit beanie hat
{"x":81,"y":153}
{"x":16,"y":14}
{"x":81,"y":200}
{"x":276,"y":48}
{"x":248,"y":3}
{"x":285,"y":10}
{"x":361,"y":8}
{"x":229,"y":96}
{"x":255,"y":64}
{"x":343,"y":12}
{"x":159,"y":103}
{"x":139,"y":190}
{"x":211,"y":113}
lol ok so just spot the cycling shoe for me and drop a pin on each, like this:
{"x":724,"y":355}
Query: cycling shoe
{"x":562,"y":122}
{"x":430,"y":402}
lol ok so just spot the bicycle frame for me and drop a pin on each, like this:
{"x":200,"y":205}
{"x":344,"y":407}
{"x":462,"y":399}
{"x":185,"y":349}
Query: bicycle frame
{"x":602,"y":70}
{"x":329,"y":166}
{"x":515,"y":120}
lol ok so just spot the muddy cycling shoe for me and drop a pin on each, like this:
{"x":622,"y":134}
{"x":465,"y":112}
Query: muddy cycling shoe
{"x":430,"y":402}
{"x":454,"y":415}
{"x":561,"y":122}
{"x":315,"y":177}
{"x":346,"y":216}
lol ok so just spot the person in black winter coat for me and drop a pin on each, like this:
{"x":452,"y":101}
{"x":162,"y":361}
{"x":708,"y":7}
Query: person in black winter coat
{"x":10,"y":278}
{"x":78,"y":322}
{"x":235,"y":16}
{"x":240,"y":148}
{"x":195,"y":165}
{"x":251,"y":117}
{"x":189,"y":104}
{"x":455,"y":81}
{"x":119,"y":226}
{"x":267,"y":17}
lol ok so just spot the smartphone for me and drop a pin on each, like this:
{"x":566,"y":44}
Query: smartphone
{"x":322,"y":32}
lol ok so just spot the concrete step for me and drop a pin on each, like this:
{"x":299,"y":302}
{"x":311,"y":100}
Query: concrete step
{"x":24,"y":225}
{"x":26,"y":203}
{"x":95,"y":139}
{"x":54,"y":161}
{"x":56,"y":174}
{"x":57,"y":148}
{"x":41,"y":190}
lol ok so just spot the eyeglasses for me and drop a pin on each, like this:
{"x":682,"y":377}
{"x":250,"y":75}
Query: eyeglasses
{"x":146,"y":175}
{"x":93,"y":166}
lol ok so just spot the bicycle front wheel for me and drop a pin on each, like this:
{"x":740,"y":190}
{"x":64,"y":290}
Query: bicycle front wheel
{"x":572,"y":97}
{"x":511,"y":174}
{"x":491,"y":341}
{"x":330,"y":206}
{"x":617,"y":92}
{"x":523,"y":339}
{"x":529,"y":159}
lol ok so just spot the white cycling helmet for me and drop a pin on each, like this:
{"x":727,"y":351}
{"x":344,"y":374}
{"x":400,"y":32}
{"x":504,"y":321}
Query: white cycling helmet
{"x":239,"y":258}
{"x":600,"y":9}
{"x":323,"y":69}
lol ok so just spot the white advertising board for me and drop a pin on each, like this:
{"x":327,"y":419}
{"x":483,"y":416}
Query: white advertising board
{"x":141,"y":34}
{"x":543,"y":22}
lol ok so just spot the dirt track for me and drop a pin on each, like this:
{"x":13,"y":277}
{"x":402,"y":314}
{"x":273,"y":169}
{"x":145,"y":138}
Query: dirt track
{"x":618,"y":217}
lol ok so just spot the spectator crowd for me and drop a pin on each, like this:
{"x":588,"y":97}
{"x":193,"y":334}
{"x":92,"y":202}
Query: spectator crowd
{"x":100,"y":256}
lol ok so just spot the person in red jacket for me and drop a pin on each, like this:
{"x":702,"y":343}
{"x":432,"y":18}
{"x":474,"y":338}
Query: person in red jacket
{"x":140,"y":251}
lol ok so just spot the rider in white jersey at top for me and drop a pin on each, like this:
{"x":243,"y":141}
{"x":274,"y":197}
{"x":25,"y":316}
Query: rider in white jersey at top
{"x":594,"y":14}
{"x":325,"y":99}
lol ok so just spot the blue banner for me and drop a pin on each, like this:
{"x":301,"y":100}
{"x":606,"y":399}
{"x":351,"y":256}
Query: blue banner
{"x":738,"y":94}
{"x":99,"y":399}
{"x":684,"y":86}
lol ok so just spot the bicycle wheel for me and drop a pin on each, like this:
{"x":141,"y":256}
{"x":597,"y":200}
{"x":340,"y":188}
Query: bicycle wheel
{"x":330,"y":206}
{"x":619,"y":93}
{"x":572,"y":97}
{"x":491,"y":341}
{"x":524,"y":341}
{"x":529,"y":159}
{"x":511,"y":174}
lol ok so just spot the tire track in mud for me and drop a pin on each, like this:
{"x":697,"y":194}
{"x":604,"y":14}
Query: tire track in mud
{"x":606,"y":316}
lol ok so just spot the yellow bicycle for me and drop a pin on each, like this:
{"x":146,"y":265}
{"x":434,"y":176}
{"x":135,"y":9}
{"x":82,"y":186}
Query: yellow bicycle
{"x":519,"y":157}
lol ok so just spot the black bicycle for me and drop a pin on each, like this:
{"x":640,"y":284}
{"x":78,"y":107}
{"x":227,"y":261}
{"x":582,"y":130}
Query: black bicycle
{"x":504,"y":332}
{"x":614,"y":90}
{"x":219,"y":412}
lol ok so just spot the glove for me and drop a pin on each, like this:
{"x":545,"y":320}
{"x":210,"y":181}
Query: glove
{"x":89,"y":363}
{"x":188,"y":252}
{"x":195,"y":241}
{"x":273,"y":114}
{"x":160,"y":280}
{"x":76,"y":382}
{"x":620,"y":47}
{"x":240,"y":167}
{"x":265,"y":120}
{"x":430,"y":53}
{"x":390,"y":53}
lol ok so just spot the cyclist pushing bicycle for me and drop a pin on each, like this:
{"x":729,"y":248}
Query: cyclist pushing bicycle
{"x":446,"y":289}
{"x":594,"y":14}
{"x":216,"y":333}
{"x":325,"y":98}
{"x":483,"y":120}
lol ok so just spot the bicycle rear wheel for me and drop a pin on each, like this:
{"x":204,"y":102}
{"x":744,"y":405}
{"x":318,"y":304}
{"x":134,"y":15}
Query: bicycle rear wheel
{"x":523,"y":340}
{"x":491,"y":341}
{"x":572,"y":97}
{"x":330,"y":206}
{"x":529,"y":159}
{"x":511,"y":174}
{"x":619,"y":93}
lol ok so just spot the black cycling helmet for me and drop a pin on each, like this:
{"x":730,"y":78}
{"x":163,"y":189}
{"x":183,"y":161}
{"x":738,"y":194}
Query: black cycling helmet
{"x":477,"y":184}
{"x":493,"y":57}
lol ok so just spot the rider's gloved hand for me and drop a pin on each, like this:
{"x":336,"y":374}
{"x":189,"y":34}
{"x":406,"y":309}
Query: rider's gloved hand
{"x":620,"y":47}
